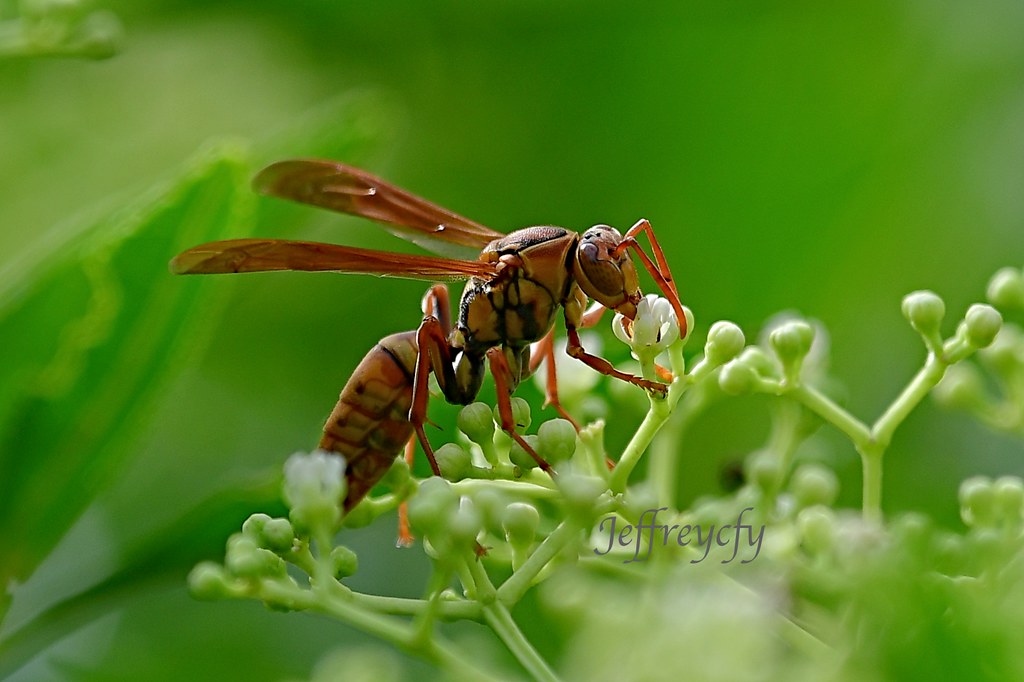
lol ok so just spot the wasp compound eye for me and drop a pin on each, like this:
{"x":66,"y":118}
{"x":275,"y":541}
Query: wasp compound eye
{"x":600,"y":268}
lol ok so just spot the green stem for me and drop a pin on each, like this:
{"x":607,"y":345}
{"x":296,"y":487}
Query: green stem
{"x":923,"y":382}
{"x":871,"y":462}
{"x":400,"y":634}
{"x":513,"y":589}
{"x":399,"y":606}
{"x":828,"y":410}
{"x":649,"y":427}
{"x":498,"y":617}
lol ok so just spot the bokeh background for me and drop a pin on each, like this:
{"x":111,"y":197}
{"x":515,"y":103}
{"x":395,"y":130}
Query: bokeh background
{"x":818,"y":158}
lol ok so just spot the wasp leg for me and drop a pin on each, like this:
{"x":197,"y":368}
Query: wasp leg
{"x":436,"y":302}
{"x":576,"y":350}
{"x":544,"y":351}
{"x":405,"y":536}
{"x":502,"y":372}
{"x":660,"y":272}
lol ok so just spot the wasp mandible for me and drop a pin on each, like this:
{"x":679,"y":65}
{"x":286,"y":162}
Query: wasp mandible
{"x":516,"y":285}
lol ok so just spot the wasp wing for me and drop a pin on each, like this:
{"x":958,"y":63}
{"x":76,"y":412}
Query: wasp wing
{"x":262,"y":255}
{"x":343,"y":188}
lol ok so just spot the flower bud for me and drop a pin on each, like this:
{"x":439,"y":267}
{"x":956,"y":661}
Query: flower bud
{"x":454,"y":462}
{"x":520,"y":414}
{"x":344,"y":561}
{"x":245,"y":559}
{"x":961,"y":388}
{"x":278,"y":535}
{"x":253,"y":526}
{"x":813,"y":484}
{"x":1009,"y":498}
{"x":924,"y":310}
{"x":725,"y":341}
{"x":1006,"y":354}
{"x":762,"y":469}
{"x":737,"y":377}
{"x":431,"y":506}
{"x":556,"y":440}
{"x":759,"y":361}
{"x":477,"y":422}
{"x":520,"y":457}
{"x":977,"y":501}
{"x":817,"y":528}
{"x":492,"y":503}
{"x":580,"y":492}
{"x":791,"y":341}
{"x":983,"y":323}
{"x":1006,"y":289}
{"x":361,"y":515}
{"x":520,"y":523}
{"x":314,"y":486}
{"x":398,"y":474}
{"x":209,"y":580}
{"x":465,"y":523}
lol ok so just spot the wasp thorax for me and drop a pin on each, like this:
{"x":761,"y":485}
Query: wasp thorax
{"x":607,"y":278}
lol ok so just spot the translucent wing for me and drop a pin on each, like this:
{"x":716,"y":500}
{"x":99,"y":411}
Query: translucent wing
{"x":261,"y":255}
{"x":338,"y":187}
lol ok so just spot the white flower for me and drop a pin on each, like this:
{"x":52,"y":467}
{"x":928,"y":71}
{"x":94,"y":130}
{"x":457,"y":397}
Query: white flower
{"x":314,"y":486}
{"x":654,"y":329}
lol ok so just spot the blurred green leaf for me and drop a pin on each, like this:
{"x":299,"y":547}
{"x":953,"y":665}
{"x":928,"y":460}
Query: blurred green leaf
{"x":92,"y":326}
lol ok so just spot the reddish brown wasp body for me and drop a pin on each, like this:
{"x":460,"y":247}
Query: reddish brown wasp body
{"x":516,"y":286}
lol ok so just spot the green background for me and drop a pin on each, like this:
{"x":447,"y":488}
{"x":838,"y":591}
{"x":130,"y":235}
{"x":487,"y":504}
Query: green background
{"x":820,"y":158}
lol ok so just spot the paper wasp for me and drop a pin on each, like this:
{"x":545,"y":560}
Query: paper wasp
{"x":516,"y":285}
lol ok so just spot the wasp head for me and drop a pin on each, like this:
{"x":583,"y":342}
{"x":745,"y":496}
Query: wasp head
{"x":604,"y":273}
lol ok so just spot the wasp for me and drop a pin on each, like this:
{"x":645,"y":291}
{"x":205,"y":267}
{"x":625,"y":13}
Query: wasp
{"x":516,"y":285}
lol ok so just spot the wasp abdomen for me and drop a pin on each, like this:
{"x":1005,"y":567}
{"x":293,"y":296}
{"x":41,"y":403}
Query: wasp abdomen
{"x":370,"y":423}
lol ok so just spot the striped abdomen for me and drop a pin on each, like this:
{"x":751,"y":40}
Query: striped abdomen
{"x":370,"y":424}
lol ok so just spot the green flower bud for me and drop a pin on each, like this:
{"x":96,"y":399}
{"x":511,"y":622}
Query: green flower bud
{"x":492,"y":504}
{"x":640,"y":497}
{"x":465,"y":523}
{"x":314,"y":486}
{"x":253,"y":526}
{"x":477,"y":422}
{"x":737,"y":377}
{"x":520,"y":523}
{"x":520,"y":414}
{"x":580,"y":492}
{"x":914,"y":533}
{"x":1009,"y":498}
{"x":245,"y":559}
{"x":556,"y":440}
{"x":209,"y":580}
{"x":1006,"y":289}
{"x":961,"y":388}
{"x":791,"y":341}
{"x":983,"y":323}
{"x":431,"y":506}
{"x":817,"y":528}
{"x":454,"y":462}
{"x":725,"y":341}
{"x":813,"y":484}
{"x":924,"y":310}
{"x":360,"y":516}
{"x":277,"y":536}
{"x":520,"y":457}
{"x":763,"y":470}
{"x":344,"y":561}
{"x":1006,"y":354}
{"x":398,"y":474}
{"x":761,"y":362}
{"x":977,"y":501}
